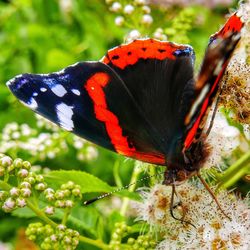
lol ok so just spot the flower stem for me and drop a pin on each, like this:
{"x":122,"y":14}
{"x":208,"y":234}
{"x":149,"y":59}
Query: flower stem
{"x":240,"y":168}
{"x":41,"y":214}
{"x":98,"y":243}
{"x":66,"y":215}
{"x":136,"y":172}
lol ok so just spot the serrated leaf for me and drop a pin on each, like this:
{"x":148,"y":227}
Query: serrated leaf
{"x":87,"y":182}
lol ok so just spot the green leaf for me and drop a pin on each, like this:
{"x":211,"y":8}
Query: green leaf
{"x":24,"y":213}
{"x":87,"y":182}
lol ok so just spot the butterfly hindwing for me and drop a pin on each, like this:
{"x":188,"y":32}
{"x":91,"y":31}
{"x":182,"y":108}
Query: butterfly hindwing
{"x":159,"y":76}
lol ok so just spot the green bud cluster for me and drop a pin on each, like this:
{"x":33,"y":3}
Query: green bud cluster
{"x":120,"y":231}
{"x":181,"y":25}
{"x":50,"y":238}
{"x":143,"y":242}
{"x":15,"y":197}
{"x":65,"y":197}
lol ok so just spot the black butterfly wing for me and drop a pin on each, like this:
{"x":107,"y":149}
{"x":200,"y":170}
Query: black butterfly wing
{"x":90,"y":100}
{"x":159,"y":76}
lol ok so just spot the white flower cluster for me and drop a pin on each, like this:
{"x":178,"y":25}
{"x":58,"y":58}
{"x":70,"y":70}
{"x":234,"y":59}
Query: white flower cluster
{"x":44,"y":145}
{"x":212,"y":229}
{"x":140,"y":11}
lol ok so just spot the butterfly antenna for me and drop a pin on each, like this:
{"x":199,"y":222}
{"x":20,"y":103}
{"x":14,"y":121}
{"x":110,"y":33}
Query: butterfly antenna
{"x":88,"y":202}
{"x":172,"y":207}
{"x":212,"y":195}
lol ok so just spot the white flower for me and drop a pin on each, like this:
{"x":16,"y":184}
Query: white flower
{"x":140,"y":2}
{"x":147,"y":19}
{"x":129,"y":9}
{"x":223,"y":139}
{"x":146,"y":9}
{"x":119,"y":20}
{"x":133,"y":35}
{"x":91,"y":153}
{"x":211,"y":229}
{"x":116,"y":6}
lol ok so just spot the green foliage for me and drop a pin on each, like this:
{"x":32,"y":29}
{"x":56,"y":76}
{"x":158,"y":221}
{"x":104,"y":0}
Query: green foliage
{"x":48,"y":197}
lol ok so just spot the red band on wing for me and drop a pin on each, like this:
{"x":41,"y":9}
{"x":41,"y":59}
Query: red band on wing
{"x":192,"y":132}
{"x":233,"y":24}
{"x":95,"y":86}
{"x":129,"y":54}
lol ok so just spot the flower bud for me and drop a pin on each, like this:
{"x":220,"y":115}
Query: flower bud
{"x":69,"y":203}
{"x":119,"y":21}
{"x":60,"y":204}
{"x":61,"y":227}
{"x":5,"y":161}
{"x":30,"y":180}
{"x":18,"y":163}
{"x":39,"y":178}
{"x":116,"y":6}
{"x":40,"y":186}
{"x":147,"y":19}
{"x":25,"y":184}
{"x":76,"y":192}
{"x":49,"y":191}
{"x":129,"y":9}
{"x":49,"y":210}
{"x":3,"y":195}
{"x":59,"y":194}
{"x":14,"y":192}
{"x":146,"y":9}
{"x":50,"y":197}
{"x":26,"y":165}
{"x":22,"y":173}
{"x":9,"y":205}
{"x":20,"y":202}
{"x":26,"y":192}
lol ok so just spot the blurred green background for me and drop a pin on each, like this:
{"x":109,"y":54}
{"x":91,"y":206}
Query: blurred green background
{"x":43,"y":36}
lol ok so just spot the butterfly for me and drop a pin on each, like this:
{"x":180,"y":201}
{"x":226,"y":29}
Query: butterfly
{"x":140,"y":100}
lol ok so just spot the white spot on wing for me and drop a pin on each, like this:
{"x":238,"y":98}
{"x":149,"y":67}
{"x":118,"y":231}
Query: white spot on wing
{"x":59,"y":90}
{"x":32,"y":103}
{"x":43,"y":89}
{"x":199,"y":100}
{"x":35,"y":94}
{"x":76,"y":91}
{"x":64,"y":115}
{"x":218,"y":67}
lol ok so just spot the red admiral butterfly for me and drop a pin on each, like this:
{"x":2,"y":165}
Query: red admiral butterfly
{"x":140,"y":100}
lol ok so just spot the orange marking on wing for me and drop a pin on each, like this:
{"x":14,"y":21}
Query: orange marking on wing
{"x":95,"y":86}
{"x":129,"y":54}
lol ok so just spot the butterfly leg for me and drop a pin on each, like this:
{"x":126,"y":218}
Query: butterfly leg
{"x":212,"y":194}
{"x":173,"y":206}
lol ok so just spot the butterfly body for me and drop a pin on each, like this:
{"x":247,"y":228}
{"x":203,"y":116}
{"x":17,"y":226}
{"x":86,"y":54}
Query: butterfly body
{"x":141,"y":100}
